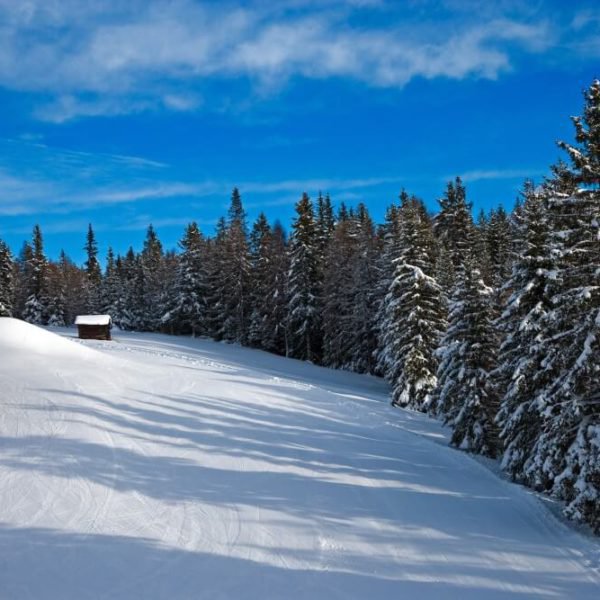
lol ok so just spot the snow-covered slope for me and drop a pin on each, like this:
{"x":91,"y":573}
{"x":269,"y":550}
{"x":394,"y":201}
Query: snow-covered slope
{"x":158,"y":467}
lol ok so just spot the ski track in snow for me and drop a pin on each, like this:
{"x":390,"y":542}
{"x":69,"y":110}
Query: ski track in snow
{"x":165,"y":467}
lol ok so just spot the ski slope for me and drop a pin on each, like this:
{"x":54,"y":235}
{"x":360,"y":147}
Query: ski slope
{"x":162,"y":467}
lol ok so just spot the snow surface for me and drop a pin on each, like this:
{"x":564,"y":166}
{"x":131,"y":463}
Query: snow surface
{"x":92,"y":320}
{"x":162,"y":467}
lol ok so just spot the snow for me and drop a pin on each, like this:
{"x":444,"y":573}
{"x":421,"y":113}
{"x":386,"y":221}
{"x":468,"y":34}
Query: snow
{"x":92,"y":320}
{"x":185,"y":468}
{"x":18,"y":339}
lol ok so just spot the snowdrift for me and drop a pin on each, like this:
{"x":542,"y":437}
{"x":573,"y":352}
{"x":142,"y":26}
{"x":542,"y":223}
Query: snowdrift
{"x":19,"y":339}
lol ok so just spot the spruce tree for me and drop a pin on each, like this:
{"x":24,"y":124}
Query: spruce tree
{"x":466,"y":397}
{"x":150,"y":281}
{"x":337,"y":294}
{"x":274,"y":324}
{"x":186,"y":311}
{"x":36,"y":305}
{"x":75,"y":286}
{"x":520,"y":373}
{"x":7,"y":283}
{"x":93,"y":272}
{"x":363,"y":326}
{"x":455,"y":232}
{"x":217,"y":282}
{"x":236,"y":265}
{"x":389,"y":236}
{"x":303,"y":319}
{"x":110,"y":287}
{"x":566,"y":456}
{"x":414,"y":312}
{"x":259,"y":285}
{"x":499,"y":246}
{"x":56,"y":297}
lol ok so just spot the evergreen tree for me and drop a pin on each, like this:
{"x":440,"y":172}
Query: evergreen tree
{"x":56,"y":299}
{"x":186,"y":312}
{"x":74,"y":288}
{"x":93,"y":272}
{"x":499,"y":246}
{"x":110,"y":287}
{"x":363,"y":325}
{"x":338,"y":291}
{"x":260,"y":267}
{"x":389,"y":236}
{"x":217,"y":282}
{"x":7,"y":284}
{"x":466,"y":397}
{"x":455,"y":231}
{"x":414,"y":312}
{"x":236,"y":266}
{"x":36,"y":305}
{"x":566,"y":458}
{"x":274,"y":323}
{"x":150,"y":281}
{"x":482,"y":248}
{"x":522,"y":351}
{"x":303,"y":329}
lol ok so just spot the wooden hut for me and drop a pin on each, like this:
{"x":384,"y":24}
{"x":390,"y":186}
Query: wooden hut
{"x":94,"y":327}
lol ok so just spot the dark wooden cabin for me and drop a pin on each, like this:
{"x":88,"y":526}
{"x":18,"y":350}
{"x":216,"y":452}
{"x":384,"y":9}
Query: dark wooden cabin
{"x":94,"y":327}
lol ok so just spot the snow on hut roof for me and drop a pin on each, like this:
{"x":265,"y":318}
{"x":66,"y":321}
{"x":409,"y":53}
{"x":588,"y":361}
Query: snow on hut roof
{"x":92,"y":320}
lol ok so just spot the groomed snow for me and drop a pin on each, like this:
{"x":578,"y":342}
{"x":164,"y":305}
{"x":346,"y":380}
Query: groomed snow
{"x":191,"y":469}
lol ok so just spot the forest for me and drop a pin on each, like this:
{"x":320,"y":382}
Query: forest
{"x":489,"y":323}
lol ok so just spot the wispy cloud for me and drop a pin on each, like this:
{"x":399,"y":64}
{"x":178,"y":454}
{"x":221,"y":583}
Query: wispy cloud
{"x":106,"y":58}
{"x":44,"y":196}
{"x":491,"y":174}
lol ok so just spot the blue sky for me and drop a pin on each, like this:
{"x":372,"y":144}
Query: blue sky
{"x":122,"y":114}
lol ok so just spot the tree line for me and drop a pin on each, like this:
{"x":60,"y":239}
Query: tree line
{"x":492,"y":325}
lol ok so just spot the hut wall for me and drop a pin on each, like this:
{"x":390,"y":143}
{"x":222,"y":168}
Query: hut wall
{"x":94,"y":332}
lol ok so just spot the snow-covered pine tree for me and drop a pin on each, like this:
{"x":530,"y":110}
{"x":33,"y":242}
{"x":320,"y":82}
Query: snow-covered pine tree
{"x":237,"y":309}
{"x":56,"y":296}
{"x":466,"y":397}
{"x":110,"y":288}
{"x":74,"y":286}
{"x":522,"y":351}
{"x":168,"y":278}
{"x":499,"y":245}
{"x":389,"y":238}
{"x":325,"y":223}
{"x":338,"y":290}
{"x":457,"y":240}
{"x":186,"y":310}
{"x":36,"y":305}
{"x":216,"y":282}
{"x":22,"y":279}
{"x":131,"y":277}
{"x":7,"y":283}
{"x":455,"y":232}
{"x":260,"y":281}
{"x":566,"y":457}
{"x":150,"y":282}
{"x":274,"y":333}
{"x":414,"y":312}
{"x":303,"y":319}
{"x":363,"y":328}
{"x":93,"y":272}
{"x":482,"y":249}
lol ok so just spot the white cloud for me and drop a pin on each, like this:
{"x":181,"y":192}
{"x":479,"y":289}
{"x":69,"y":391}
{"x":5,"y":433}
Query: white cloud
{"x":491,"y":174}
{"x":34,"y":192}
{"x":103,"y":58}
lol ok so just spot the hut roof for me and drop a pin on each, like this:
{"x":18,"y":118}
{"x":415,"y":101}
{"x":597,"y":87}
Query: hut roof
{"x":93,"y":320}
